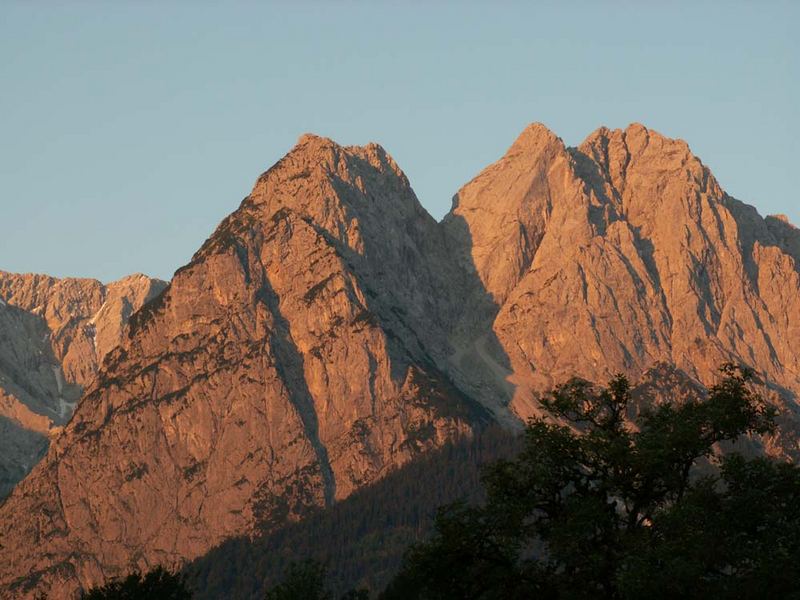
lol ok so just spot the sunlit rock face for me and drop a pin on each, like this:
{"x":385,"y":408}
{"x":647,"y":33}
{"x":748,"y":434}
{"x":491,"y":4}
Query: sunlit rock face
{"x":622,"y":253}
{"x":53,"y":335}
{"x":290,"y":362}
{"x":330,"y":330}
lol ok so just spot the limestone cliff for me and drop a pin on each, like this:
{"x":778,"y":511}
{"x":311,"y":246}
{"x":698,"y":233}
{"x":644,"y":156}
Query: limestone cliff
{"x":53,"y":335}
{"x":619,"y":254}
{"x":283,"y":367}
{"x":330,"y":330}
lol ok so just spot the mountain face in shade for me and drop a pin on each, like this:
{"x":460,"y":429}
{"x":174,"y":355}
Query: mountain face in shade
{"x":330,"y":331}
{"x":53,"y":335}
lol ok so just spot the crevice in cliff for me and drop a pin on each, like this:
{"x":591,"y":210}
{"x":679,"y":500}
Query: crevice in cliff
{"x":290,"y":365}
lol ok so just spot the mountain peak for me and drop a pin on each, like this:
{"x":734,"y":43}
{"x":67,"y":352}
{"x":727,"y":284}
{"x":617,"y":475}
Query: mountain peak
{"x":330,"y":330}
{"x":783,"y":218}
{"x":533,"y":138}
{"x":636,"y":127}
{"x":636,"y":137}
{"x":312,"y":139}
{"x":134,"y":278}
{"x":311,"y":142}
{"x":317,"y":170}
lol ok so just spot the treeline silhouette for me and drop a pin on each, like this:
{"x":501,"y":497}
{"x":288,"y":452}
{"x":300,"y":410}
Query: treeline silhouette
{"x":362,"y":539}
{"x":586,"y":506}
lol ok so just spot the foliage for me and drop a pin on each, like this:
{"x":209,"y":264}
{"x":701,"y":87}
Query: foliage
{"x":306,"y":581}
{"x":597,"y":507}
{"x":361,"y":539}
{"x":157,"y":584}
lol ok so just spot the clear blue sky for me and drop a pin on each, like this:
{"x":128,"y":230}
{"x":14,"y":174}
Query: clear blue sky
{"x":130,"y":130}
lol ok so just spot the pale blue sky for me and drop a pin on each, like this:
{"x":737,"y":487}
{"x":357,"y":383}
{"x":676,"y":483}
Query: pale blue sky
{"x":130,"y":130}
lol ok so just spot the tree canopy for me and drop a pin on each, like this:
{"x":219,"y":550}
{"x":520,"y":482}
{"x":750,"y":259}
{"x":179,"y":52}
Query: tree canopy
{"x":157,"y":584}
{"x":307,"y":581}
{"x":361,"y":539}
{"x":597,"y":506}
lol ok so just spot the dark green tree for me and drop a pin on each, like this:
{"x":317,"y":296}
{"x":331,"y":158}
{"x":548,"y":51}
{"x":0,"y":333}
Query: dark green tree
{"x":598,"y":507}
{"x":157,"y":584}
{"x":302,"y":580}
{"x":306,"y":580}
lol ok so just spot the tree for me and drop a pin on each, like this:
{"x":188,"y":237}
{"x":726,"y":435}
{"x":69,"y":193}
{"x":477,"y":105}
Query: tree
{"x":306,"y":581}
{"x":157,"y":584}
{"x":598,"y":507}
{"x":361,"y":539}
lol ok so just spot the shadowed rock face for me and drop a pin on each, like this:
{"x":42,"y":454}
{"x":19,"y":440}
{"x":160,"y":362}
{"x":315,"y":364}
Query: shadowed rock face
{"x":290,"y":362}
{"x":53,"y":335}
{"x":330,"y":330}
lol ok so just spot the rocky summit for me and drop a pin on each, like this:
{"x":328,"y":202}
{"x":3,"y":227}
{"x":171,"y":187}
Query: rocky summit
{"x":330,"y":331}
{"x":619,"y":254}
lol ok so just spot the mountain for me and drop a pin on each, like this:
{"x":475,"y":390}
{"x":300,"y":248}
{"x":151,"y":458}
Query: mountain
{"x":330,"y":331}
{"x":280,"y":370}
{"x":53,"y":335}
{"x":621,"y":253}
{"x":363,"y":538}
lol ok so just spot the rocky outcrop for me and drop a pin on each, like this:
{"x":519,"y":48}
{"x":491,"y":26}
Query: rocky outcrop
{"x":53,"y":335}
{"x":619,"y":254}
{"x":329,"y":331}
{"x":285,"y":366}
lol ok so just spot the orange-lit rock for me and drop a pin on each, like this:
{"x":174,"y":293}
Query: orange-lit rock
{"x":330,"y":330}
{"x":53,"y":335}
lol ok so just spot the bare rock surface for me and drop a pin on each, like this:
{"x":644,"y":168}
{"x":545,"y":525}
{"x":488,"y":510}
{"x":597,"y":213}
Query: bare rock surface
{"x":53,"y":335}
{"x":330,"y":330}
{"x":288,"y":364}
{"x":622,"y":253}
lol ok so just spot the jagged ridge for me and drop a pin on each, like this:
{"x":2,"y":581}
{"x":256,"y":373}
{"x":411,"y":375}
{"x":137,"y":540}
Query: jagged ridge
{"x":330,"y":330}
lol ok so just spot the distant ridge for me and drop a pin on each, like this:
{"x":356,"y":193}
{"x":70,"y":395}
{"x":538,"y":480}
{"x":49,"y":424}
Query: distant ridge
{"x":54,"y":333}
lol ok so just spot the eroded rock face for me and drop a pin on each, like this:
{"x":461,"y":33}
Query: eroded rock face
{"x":53,"y":335}
{"x":620,"y":254}
{"x":288,"y":364}
{"x":330,"y":330}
